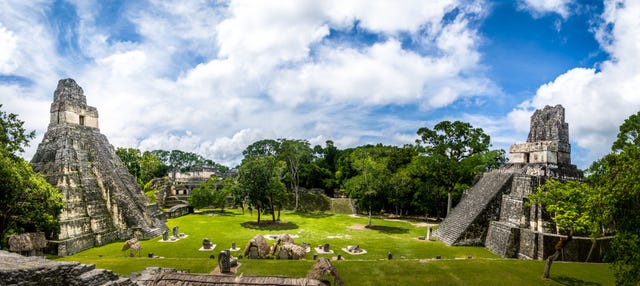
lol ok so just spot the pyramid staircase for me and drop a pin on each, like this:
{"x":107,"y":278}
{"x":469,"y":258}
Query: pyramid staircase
{"x":466,"y":223}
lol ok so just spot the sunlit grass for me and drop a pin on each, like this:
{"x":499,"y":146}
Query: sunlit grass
{"x":413,"y":260}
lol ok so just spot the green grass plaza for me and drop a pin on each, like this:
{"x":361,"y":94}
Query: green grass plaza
{"x":413,"y":261}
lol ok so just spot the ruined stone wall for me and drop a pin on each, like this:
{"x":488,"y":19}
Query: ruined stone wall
{"x":513,"y":242}
{"x":19,"y":270}
{"x":548,"y":124}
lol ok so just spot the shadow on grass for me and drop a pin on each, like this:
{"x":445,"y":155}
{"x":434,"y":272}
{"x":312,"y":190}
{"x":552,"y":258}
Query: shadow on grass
{"x":216,"y":213}
{"x":388,"y":229}
{"x":564,"y":280}
{"x":269,"y":225}
{"x":314,"y":215}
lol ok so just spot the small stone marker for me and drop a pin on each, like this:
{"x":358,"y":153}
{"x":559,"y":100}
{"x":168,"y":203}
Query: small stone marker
{"x":339,"y":257}
{"x":176,"y":234}
{"x":224,"y":261}
{"x":315,"y":256}
{"x":233,"y":245}
{"x":165,"y":235}
{"x":325,"y":248}
{"x":206,"y":244}
{"x":389,"y":255}
{"x":429,"y":230}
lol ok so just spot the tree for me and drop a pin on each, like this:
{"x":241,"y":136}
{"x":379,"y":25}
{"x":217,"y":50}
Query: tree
{"x":457,"y":149}
{"x":13,"y":136}
{"x":28,"y":203}
{"x":130,"y":157}
{"x":211,"y":192}
{"x":617,"y":175}
{"x":262,"y":148}
{"x":260,"y":180}
{"x":372,"y":179}
{"x":295,"y":153}
{"x":568,"y":204}
{"x":203,"y":195}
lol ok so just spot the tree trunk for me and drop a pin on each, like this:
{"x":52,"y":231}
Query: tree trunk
{"x":258,"y":215}
{"x":369,"y":215}
{"x":448,"y":203}
{"x":550,"y":260}
{"x":559,"y":247}
{"x":593,"y":246}
{"x":297,"y":198}
{"x":279,"y":207}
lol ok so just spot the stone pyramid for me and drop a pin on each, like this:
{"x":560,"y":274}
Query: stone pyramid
{"x":494,"y":214}
{"x":103,"y":202}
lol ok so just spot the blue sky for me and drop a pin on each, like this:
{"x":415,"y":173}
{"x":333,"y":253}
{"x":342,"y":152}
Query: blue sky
{"x":212,"y":77}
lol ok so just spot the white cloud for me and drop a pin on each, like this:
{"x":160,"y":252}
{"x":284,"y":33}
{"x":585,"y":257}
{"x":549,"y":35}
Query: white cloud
{"x":214,"y":78}
{"x":540,"y":7}
{"x":7,"y":50}
{"x":598,"y":101}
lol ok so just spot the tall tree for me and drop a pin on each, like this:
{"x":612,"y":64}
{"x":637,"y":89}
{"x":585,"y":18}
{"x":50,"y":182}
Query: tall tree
{"x":260,"y":180}
{"x":27,"y":202}
{"x":617,"y":176}
{"x":454,"y":147}
{"x":295,"y":153}
{"x":372,"y":179}
{"x":262,"y":148}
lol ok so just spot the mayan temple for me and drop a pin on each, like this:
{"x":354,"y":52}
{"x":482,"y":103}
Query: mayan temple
{"x":103,"y":202}
{"x":493,"y":212}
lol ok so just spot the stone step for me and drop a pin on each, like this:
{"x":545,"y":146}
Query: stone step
{"x":123,"y":281}
{"x":97,"y":277}
{"x":475,"y":202}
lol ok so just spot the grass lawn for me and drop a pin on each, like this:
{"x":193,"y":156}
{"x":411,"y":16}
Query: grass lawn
{"x":412,"y":262}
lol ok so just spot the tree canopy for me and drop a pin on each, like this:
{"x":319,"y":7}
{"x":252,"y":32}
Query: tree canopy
{"x":458,"y":152}
{"x":28,"y":203}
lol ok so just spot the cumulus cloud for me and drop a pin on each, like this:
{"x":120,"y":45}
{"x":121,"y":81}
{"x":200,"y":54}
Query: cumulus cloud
{"x":598,"y":100}
{"x":213,"y":78}
{"x":541,"y":7}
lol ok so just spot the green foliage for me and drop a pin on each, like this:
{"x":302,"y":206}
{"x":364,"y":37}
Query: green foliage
{"x":616,"y":176}
{"x":13,"y":136}
{"x":259,"y":178}
{"x":456,"y":152}
{"x":625,"y":253}
{"x":568,"y":203}
{"x":629,"y":134}
{"x":294,"y":153}
{"x":210,"y":193}
{"x":28,"y":203}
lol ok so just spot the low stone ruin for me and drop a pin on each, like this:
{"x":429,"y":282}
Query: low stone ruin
{"x":493,"y":212}
{"x":30,"y":244}
{"x":325,"y":272}
{"x":132,"y":247}
{"x":16,"y":269}
{"x":257,"y":248}
{"x":20,"y":270}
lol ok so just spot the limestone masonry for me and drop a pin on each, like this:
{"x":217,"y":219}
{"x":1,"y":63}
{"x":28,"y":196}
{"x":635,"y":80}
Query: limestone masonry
{"x":494,"y":214}
{"x":103,"y":202}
